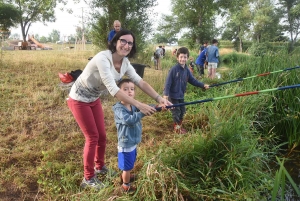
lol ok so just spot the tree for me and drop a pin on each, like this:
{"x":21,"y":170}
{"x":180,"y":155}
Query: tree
{"x":54,"y":36}
{"x":239,"y":19}
{"x":133,"y":15}
{"x":265,"y":21}
{"x":290,"y":9}
{"x":34,"y":11}
{"x":195,"y":16}
{"x":161,"y":38}
{"x":43,"y":39}
{"x":9,"y":16}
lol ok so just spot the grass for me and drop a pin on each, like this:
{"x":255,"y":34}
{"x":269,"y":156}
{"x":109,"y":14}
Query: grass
{"x":225,"y":156}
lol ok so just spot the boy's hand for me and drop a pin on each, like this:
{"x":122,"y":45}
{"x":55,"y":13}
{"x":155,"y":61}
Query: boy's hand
{"x":161,"y":107}
{"x":206,"y":86}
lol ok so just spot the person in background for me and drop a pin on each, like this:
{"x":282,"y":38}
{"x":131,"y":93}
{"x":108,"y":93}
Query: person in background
{"x":112,"y":33}
{"x":129,"y":129}
{"x":158,"y":55}
{"x":175,"y":87}
{"x":192,"y":64}
{"x":203,"y":46}
{"x":174,"y":52}
{"x":164,"y":51}
{"x":201,"y":62}
{"x":212,"y":55}
{"x":101,"y":74}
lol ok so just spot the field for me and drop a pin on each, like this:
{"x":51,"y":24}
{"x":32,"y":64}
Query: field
{"x":224,"y":156}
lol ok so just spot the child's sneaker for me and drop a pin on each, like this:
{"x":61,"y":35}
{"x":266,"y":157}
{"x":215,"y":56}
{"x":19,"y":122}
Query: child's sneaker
{"x":105,"y":170}
{"x":128,"y":188}
{"x":94,"y":183}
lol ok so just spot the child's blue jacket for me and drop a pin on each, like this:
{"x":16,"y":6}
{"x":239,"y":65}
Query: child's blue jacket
{"x":129,"y":126}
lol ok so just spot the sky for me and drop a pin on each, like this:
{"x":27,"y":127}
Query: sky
{"x":67,"y":23}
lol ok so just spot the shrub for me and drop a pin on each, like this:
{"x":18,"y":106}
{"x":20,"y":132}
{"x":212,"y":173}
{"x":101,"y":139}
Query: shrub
{"x":259,"y":49}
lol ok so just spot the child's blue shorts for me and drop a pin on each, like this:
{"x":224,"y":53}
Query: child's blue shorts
{"x":126,"y":160}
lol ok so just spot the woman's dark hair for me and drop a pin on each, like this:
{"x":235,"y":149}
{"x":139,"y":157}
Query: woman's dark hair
{"x":183,"y":50}
{"x":113,"y":42}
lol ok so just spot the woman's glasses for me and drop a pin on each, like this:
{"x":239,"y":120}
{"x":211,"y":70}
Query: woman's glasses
{"x":124,"y":42}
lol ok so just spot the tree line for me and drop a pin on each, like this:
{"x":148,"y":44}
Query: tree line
{"x":242,"y":20}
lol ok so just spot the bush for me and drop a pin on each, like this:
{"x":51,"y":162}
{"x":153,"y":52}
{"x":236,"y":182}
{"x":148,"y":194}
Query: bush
{"x":234,"y":58}
{"x":259,"y":49}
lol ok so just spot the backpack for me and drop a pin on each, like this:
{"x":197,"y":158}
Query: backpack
{"x":75,"y":74}
{"x":69,"y":77}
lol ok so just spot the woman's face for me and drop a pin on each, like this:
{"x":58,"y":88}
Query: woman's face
{"x":124,"y":45}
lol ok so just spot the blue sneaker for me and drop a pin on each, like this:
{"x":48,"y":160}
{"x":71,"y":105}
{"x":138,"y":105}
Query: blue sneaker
{"x":94,"y":183}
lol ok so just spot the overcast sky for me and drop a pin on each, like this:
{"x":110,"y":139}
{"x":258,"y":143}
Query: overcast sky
{"x":66,"y":23}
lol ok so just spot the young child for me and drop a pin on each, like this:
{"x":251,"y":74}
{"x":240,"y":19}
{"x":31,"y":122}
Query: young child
{"x":129,"y":128}
{"x":192,"y":64}
{"x":175,"y":87}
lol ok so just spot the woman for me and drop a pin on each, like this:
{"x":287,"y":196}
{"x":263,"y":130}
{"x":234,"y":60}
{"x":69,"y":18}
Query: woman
{"x":101,"y":73}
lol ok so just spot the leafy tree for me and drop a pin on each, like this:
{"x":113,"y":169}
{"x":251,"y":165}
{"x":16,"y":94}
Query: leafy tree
{"x":37,"y":37}
{"x":238,"y":19}
{"x":265,"y":21}
{"x":43,"y":39}
{"x":9,"y":16}
{"x":290,"y":9}
{"x":34,"y":11}
{"x":133,"y":15}
{"x":54,"y":36}
{"x":197,"y":16}
{"x":161,"y":38}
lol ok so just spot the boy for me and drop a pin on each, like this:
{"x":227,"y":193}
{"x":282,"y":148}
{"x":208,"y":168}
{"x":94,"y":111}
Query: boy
{"x":200,"y":62}
{"x":129,"y":127}
{"x":212,"y":54}
{"x":175,"y":87}
{"x":192,"y":64}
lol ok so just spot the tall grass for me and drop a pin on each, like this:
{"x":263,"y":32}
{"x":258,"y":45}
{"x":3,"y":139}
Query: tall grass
{"x":225,"y":155}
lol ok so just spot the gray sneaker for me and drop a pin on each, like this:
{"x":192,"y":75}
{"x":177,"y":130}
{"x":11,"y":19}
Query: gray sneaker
{"x":105,"y":170}
{"x":94,"y":183}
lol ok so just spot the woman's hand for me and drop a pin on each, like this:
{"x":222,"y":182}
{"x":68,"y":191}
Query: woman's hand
{"x":163,"y":102}
{"x":146,"y":109}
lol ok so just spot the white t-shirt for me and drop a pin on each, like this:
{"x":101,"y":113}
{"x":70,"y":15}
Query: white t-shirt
{"x":100,"y":75}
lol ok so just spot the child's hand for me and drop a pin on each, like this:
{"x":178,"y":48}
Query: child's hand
{"x":162,"y":107}
{"x":206,"y":86}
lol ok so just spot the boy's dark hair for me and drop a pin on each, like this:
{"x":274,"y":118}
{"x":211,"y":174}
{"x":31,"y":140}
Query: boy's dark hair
{"x":124,"y":81}
{"x":113,"y":42}
{"x":214,"y":41}
{"x":183,"y":50}
{"x":160,"y":46}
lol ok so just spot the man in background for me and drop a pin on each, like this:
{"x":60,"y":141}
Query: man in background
{"x":112,"y":33}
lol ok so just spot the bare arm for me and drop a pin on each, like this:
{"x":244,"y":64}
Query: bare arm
{"x":144,"y":108}
{"x":152,"y":93}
